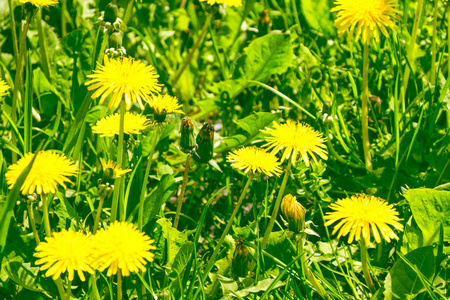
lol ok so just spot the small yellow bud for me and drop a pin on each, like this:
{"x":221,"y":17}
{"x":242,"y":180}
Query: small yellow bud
{"x":294,"y":213}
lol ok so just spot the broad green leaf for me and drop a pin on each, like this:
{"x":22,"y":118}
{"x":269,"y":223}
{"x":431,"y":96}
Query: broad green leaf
{"x":429,"y":208}
{"x":158,"y":197}
{"x":174,"y":239}
{"x":96,"y":113}
{"x":24,"y":275}
{"x":403,"y":281}
{"x":231,"y":142}
{"x":181,"y":260}
{"x":254,"y":123}
{"x":317,"y":14}
{"x":268,"y":55}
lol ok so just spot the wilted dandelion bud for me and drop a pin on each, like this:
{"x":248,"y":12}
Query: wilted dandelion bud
{"x":205,"y":146}
{"x":110,"y":13}
{"x":187,"y":134}
{"x":240,"y":259}
{"x":294,"y":213}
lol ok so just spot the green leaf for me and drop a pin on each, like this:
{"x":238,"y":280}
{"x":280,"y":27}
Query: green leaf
{"x":317,"y":14}
{"x":254,"y":123}
{"x":403,"y":281}
{"x":96,"y":113}
{"x":268,"y":55}
{"x":23,"y":274}
{"x":174,"y":239}
{"x":158,"y":197}
{"x":430,"y":208}
{"x":181,"y":260}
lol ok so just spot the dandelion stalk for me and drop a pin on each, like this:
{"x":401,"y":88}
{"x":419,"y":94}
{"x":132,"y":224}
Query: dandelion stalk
{"x":42,"y":47}
{"x":144,"y":184}
{"x":119,"y":285}
{"x":433,"y":45}
{"x":32,"y":220}
{"x":277,"y":205}
{"x":194,"y":48}
{"x":118,"y":182}
{"x":18,"y":79}
{"x":227,"y":228}
{"x":98,"y":213}
{"x":305,"y":268}
{"x":183,"y":189}
{"x":448,"y":55}
{"x":365,"y":265}
{"x":364,"y":108}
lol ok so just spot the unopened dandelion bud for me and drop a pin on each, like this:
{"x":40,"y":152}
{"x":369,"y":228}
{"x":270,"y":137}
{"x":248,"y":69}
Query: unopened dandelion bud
{"x":187,"y":134}
{"x":294,"y":213}
{"x":240,"y":259}
{"x":111,"y":11}
{"x":205,"y":147}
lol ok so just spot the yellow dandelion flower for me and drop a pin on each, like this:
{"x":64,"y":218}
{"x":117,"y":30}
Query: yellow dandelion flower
{"x":255,"y":161}
{"x":164,"y":105}
{"x":360,"y":215}
{"x":49,"y":170}
{"x":121,"y":246}
{"x":298,"y":140}
{"x":109,"y":125}
{"x":40,"y":2}
{"x":4,"y":87}
{"x":67,"y":251}
{"x":294,"y":213}
{"x":118,"y":172}
{"x":367,"y":17}
{"x":124,"y":78}
{"x":236,"y":3}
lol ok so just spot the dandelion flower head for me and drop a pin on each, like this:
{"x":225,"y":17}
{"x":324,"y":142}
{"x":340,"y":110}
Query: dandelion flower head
{"x":296,"y":140}
{"x":4,"y":87}
{"x":366,"y":17}
{"x":118,"y":172}
{"x":121,"y":246}
{"x":235,"y":3}
{"x":362,"y":215}
{"x":109,"y":125}
{"x":67,"y":251}
{"x":124,"y":78}
{"x":255,"y":161}
{"x":163,"y":105}
{"x":40,"y":2}
{"x":49,"y":170}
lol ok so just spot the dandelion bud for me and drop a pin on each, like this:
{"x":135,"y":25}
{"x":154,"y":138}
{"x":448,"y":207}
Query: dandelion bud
{"x":240,"y":259}
{"x":115,"y":40}
{"x":294,"y":213}
{"x":187,"y":134}
{"x":105,"y":189}
{"x":205,"y":139}
{"x":110,"y":13}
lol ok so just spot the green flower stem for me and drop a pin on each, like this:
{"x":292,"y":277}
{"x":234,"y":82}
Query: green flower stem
{"x":18,"y":81}
{"x":13,"y":28}
{"x":98,"y":214}
{"x":433,"y":45}
{"x":32,"y":221}
{"x":42,"y":47}
{"x":183,"y":189}
{"x":194,"y":48}
{"x":277,"y":205}
{"x":365,"y":110}
{"x":412,"y":45}
{"x":227,"y":228}
{"x":93,"y":289}
{"x":69,"y":290}
{"x":365,"y":265}
{"x":63,"y":17}
{"x":144,"y":184}
{"x":119,"y":181}
{"x":448,"y":49}
{"x":119,"y":285}
{"x":301,"y":252}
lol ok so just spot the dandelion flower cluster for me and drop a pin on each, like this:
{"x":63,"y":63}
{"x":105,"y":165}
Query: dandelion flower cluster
{"x":236,"y":3}
{"x":67,"y":251}
{"x":360,"y":215}
{"x":109,"y":125}
{"x":255,"y":161}
{"x":121,"y":246}
{"x":49,"y":170}
{"x":124,"y":78}
{"x":40,"y":2}
{"x":4,"y":87}
{"x":296,"y":140}
{"x":118,"y":172}
{"x":366,"y":17}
